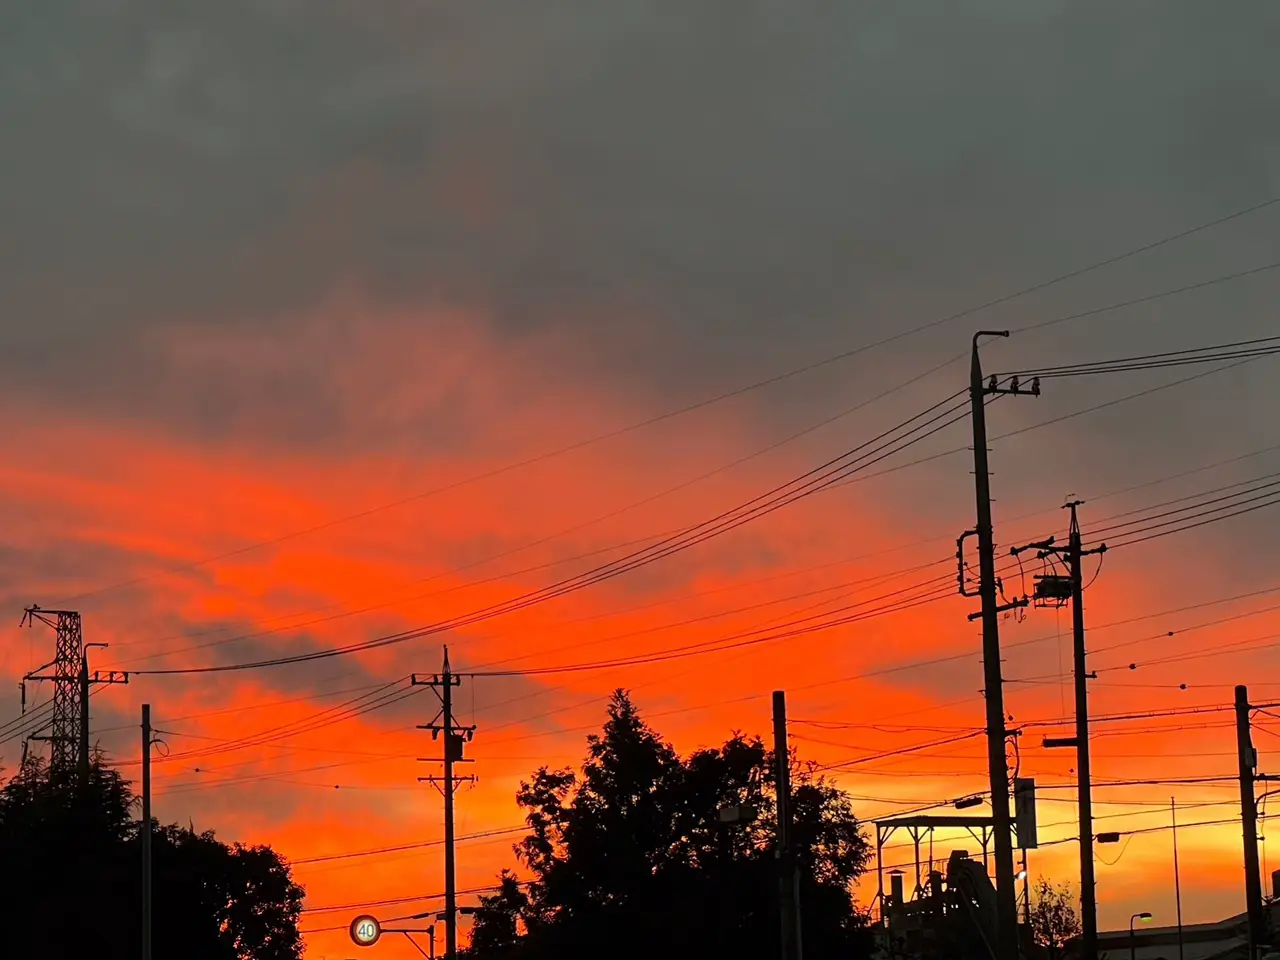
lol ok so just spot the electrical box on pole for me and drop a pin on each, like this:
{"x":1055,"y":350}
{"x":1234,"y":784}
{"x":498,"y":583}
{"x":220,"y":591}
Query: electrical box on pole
{"x":1024,"y":806}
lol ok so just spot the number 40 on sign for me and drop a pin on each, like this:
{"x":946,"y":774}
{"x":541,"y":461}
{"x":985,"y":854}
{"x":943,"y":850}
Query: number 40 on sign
{"x":365,"y":930}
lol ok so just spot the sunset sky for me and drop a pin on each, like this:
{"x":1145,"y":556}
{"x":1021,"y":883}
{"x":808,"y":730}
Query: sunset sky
{"x":329,"y":320}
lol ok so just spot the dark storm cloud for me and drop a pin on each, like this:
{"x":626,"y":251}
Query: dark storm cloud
{"x":699,"y":191}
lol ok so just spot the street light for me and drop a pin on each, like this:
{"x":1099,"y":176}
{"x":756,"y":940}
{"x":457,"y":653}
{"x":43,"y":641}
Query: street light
{"x":1133,"y":946}
{"x":965,"y":803}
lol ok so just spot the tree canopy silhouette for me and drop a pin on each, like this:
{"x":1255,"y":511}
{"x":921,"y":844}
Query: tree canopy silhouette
{"x":1054,"y":921}
{"x":628,"y":857}
{"x":72,"y":853}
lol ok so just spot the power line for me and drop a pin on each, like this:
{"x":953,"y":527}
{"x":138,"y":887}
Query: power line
{"x":542,"y":540}
{"x":805,"y":485}
{"x":265,"y":738}
{"x":1239,"y":349}
{"x":826,"y":475}
{"x":701,"y":404}
{"x":1149,"y":298}
{"x":399,"y":848}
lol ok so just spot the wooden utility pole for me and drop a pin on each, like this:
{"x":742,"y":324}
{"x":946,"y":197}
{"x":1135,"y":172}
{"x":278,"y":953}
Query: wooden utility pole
{"x":454,"y":739}
{"x":993,"y":682}
{"x":788,"y":877}
{"x":1249,"y":821}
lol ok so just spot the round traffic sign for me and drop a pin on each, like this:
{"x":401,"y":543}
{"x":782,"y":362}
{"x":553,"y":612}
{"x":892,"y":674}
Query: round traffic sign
{"x":365,"y":930}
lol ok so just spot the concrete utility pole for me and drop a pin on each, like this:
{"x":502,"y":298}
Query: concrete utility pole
{"x":455,"y":737}
{"x":1057,"y":589}
{"x":87,"y":680}
{"x":788,"y":877}
{"x":1249,"y":821}
{"x":993,"y":683}
{"x":1084,"y":784}
{"x":147,"y":739}
{"x":1177,"y":877}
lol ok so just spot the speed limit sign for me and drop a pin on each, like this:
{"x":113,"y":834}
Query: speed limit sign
{"x":365,"y":930}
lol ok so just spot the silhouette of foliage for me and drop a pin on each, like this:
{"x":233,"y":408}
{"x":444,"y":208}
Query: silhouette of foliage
{"x":74,"y":849}
{"x":1054,"y":921}
{"x":627,"y":857}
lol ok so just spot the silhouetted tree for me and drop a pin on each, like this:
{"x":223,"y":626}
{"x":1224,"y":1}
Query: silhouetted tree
{"x":628,"y":858}
{"x":1054,"y":921}
{"x":74,"y":853}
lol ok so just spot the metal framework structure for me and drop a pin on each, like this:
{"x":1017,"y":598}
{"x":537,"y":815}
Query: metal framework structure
{"x":980,"y":828}
{"x":67,"y":731}
{"x":63,"y":729}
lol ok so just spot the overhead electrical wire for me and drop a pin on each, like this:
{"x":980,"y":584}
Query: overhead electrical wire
{"x":260,"y":740}
{"x":1104,"y":405}
{"x":541,"y":540}
{"x":1235,"y":350}
{"x":918,"y":598}
{"x":821,"y":475}
{"x":268,"y":740}
{"x":651,"y":498}
{"x":1151,"y":297}
{"x":643,"y":659}
{"x":926,"y":592}
{"x":383,"y":605}
{"x":871,"y":451}
{"x":740,"y":391}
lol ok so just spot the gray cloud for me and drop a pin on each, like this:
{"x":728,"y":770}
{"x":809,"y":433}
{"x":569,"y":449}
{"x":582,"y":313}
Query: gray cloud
{"x":694,"y":196}
{"x":700,"y":193}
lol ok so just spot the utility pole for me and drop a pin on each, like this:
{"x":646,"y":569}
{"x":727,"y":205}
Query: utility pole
{"x":455,"y":737}
{"x":788,"y":877}
{"x":146,"y":831}
{"x":1249,"y":820}
{"x":1056,"y":589}
{"x":86,"y":681}
{"x":993,"y":683}
{"x":1177,"y":879}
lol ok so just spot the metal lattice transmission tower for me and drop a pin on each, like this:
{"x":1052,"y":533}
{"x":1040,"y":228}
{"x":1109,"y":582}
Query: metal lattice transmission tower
{"x":63,"y":729}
